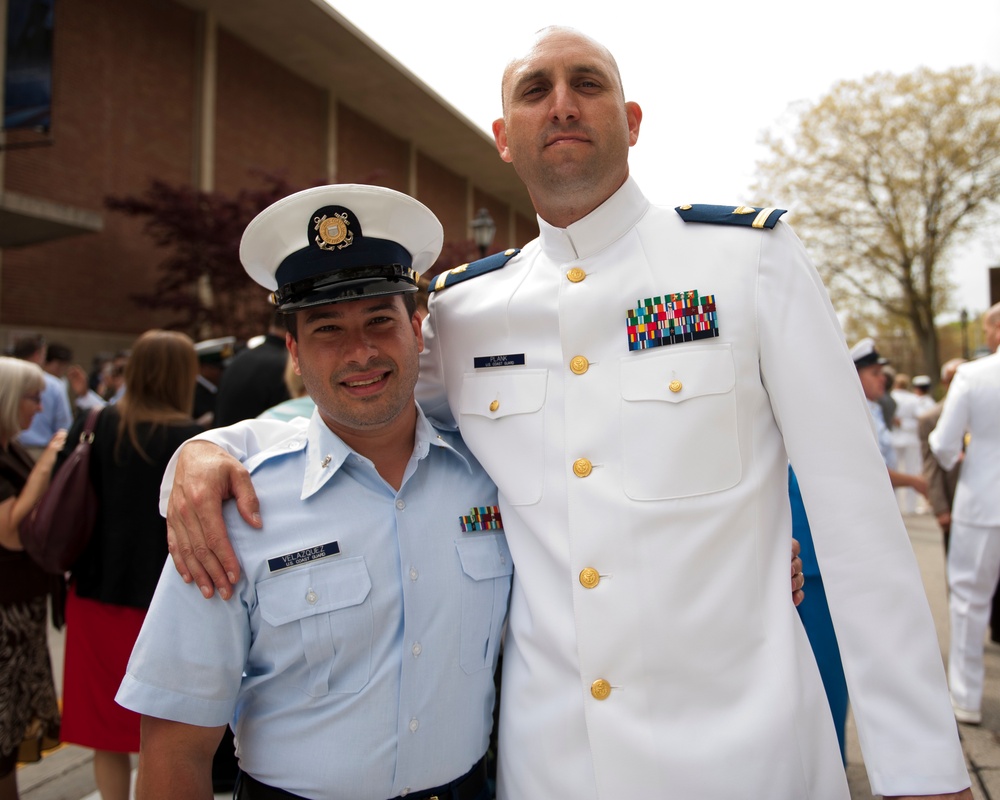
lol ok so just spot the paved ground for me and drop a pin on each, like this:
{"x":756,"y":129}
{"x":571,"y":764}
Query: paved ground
{"x":981,"y":743}
{"x":67,"y":775}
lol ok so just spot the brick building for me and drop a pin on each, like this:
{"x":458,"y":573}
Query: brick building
{"x":212,"y":94}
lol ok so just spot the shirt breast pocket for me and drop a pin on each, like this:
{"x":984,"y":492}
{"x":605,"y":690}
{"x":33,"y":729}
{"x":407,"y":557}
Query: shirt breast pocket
{"x":488,"y":568}
{"x":501,"y":419}
{"x":679,"y":423}
{"x":330,"y":604}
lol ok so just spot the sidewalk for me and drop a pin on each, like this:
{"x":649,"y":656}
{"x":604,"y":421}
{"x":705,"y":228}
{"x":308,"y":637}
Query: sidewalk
{"x":981,"y":743}
{"x":67,"y":774}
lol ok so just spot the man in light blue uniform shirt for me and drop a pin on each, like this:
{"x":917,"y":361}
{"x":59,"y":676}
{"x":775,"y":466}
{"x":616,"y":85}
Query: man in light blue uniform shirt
{"x":55,"y":413}
{"x":869,"y":363}
{"x":356,"y":659}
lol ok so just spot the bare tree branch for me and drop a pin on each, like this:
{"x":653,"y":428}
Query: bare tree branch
{"x":884,"y":177}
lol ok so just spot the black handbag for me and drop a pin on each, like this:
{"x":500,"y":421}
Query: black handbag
{"x":57,"y":529}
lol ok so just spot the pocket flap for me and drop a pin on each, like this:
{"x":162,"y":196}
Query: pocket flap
{"x":484,"y":556}
{"x":676,"y":377}
{"x":313,"y":590}
{"x":503,"y":394}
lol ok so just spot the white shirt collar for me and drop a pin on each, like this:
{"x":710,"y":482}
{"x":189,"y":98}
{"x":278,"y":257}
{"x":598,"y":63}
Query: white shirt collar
{"x":326,"y":452}
{"x":604,"y":225}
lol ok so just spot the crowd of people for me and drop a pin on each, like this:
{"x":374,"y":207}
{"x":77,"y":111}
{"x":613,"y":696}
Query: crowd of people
{"x":541,"y":464}
{"x":147,"y":397}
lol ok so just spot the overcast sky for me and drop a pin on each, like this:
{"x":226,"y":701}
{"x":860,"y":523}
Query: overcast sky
{"x":710,"y":76}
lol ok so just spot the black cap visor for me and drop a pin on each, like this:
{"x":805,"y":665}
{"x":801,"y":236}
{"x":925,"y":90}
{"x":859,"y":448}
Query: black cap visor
{"x":353,"y":283}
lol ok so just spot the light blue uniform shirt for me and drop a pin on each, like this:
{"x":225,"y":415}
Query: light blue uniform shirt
{"x":356,"y":658}
{"x":55,"y":414}
{"x":288,"y":410}
{"x":883,"y":435}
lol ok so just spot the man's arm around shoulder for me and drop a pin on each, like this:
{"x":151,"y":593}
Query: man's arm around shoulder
{"x":948,"y":437}
{"x":204,"y":472}
{"x":175,"y":760}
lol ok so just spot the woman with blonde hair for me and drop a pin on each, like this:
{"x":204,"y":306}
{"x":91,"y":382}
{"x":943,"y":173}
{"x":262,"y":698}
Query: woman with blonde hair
{"x":29,"y":713}
{"x":112,"y":582}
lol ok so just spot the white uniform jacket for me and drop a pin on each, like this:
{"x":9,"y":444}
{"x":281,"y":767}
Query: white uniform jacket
{"x":971,"y":406}
{"x":653,"y":649}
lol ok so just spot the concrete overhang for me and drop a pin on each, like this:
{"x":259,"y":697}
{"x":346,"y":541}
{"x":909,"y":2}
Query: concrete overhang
{"x":314,"y":41}
{"x":31,"y":220}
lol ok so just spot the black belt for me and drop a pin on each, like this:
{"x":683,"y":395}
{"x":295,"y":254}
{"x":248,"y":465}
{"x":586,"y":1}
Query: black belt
{"x":467,"y":787}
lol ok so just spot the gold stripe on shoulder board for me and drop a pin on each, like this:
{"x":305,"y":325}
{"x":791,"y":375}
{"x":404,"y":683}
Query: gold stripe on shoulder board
{"x":761,"y":218}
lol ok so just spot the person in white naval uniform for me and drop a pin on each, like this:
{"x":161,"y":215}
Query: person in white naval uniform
{"x":970,"y":410}
{"x":904,"y":438}
{"x":637,"y":385}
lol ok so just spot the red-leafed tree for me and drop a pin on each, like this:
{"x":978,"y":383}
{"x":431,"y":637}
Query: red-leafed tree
{"x":200,"y":278}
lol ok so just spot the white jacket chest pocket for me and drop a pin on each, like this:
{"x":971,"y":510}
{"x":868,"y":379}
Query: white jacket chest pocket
{"x":501,"y":419}
{"x":488,"y":568}
{"x":326,"y":611}
{"x":679,"y":423}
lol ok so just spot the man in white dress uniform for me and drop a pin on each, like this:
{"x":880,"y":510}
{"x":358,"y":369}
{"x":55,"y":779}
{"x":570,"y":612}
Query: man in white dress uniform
{"x":971,"y":409}
{"x":636,"y":381}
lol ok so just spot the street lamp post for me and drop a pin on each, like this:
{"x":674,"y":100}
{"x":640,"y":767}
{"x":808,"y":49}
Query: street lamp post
{"x":963,"y":317}
{"x":483,"y":231}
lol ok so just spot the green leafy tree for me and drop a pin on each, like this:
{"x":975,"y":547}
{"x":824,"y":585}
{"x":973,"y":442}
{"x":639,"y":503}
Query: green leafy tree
{"x":883,"y":178}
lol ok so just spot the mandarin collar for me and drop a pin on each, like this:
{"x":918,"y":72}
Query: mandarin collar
{"x":601,"y":227}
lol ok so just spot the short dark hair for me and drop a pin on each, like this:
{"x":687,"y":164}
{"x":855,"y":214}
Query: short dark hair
{"x":58,"y":352}
{"x":27,"y":346}
{"x":292,"y":325}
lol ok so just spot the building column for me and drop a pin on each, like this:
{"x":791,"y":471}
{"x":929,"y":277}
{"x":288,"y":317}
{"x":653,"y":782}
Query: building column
{"x":205,"y":94}
{"x":332,"y":138}
{"x":412,"y":188}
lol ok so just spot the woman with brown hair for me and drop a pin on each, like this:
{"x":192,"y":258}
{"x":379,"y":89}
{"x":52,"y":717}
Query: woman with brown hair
{"x":112,"y":582}
{"x":28,"y":708}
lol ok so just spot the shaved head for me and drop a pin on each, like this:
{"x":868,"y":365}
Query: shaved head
{"x":541,"y":36}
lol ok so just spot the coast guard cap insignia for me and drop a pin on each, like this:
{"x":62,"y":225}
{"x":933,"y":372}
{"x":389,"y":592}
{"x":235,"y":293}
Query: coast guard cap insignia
{"x":332,"y":232}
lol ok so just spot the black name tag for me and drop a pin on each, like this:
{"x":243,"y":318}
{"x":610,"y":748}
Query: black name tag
{"x":511,"y":360}
{"x":303,"y":556}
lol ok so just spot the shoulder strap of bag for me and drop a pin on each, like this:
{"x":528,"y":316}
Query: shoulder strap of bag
{"x":87,"y":434}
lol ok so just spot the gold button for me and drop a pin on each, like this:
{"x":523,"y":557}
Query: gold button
{"x":600,"y":689}
{"x":576,"y":275}
{"x":590,"y":577}
{"x":579,"y":365}
{"x":494,"y":405}
{"x":676,"y":386}
{"x":582,"y":468}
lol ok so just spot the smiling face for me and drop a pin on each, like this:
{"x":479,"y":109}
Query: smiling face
{"x":359,"y":361}
{"x":566,"y":126}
